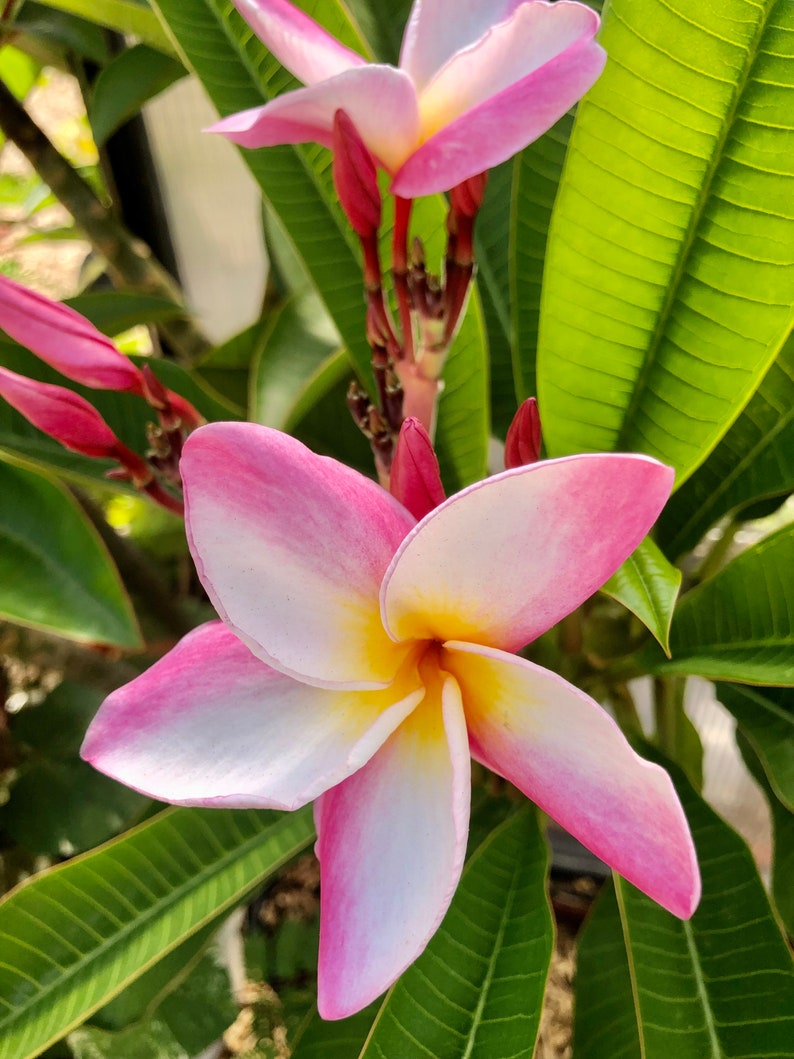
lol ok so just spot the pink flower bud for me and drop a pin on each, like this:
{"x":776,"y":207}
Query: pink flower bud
{"x":415,"y":477}
{"x":524,"y":436}
{"x":65,"y":340}
{"x":355,"y":178}
{"x":466,"y":197}
{"x":70,"y":419}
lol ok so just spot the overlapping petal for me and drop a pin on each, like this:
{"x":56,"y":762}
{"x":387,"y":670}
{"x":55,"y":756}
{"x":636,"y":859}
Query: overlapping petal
{"x":534,"y":35}
{"x":297,"y":41}
{"x":434,"y":32}
{"x":210,"y":700}
{"x":391,"y":843}
{"x":292,"y":548}
{"x":380,"y":100}
{"x":502,"y":561}
{"x":502,"y":125}
{"x":566,"y":754}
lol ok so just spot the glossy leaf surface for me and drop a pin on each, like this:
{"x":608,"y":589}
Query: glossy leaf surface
{"x":720,"y":986}
{"x":648,"y":585}
{"x":766,"y":716}
{"x":669,"y":281}
{"x":75,"y":936}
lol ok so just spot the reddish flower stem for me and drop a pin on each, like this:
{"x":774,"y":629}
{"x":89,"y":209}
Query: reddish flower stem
{"x":402,"y":214}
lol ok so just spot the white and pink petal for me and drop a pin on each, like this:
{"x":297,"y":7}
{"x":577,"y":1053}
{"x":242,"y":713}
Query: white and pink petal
{"x":435,"y":33}
{"x":380,"y":101}
{"x":502,"y":124}
{"x":292,"y":548}
{"x":564,"y":752}
{"x":391,"y":843}
{"x":210,"y":724}
{"x":505,"y":559}
{"x":297,"y":41}
{"x":536,"y":34}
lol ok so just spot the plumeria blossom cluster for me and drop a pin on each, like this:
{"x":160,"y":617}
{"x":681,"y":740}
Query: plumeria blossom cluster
{"x":475,"y":83}
{"x":72,"y":345}
{"x":367,"y":649}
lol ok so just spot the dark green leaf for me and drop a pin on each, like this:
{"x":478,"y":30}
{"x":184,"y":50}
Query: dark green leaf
{"x":740,"y":624}
{"x":720,"y":986}
{"x":76,"y":936}
{"x":753,"y":461}
{"x":55,"y":573}
{"x":766,"y":716}
{"x":115,"y":311}
{"x":134,"y":77}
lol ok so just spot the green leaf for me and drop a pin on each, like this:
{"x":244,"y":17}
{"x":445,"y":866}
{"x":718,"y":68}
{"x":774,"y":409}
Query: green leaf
{"x":669,"y":287}
{"x":766,"y":716}
{"x":300,"y":339}
{"x":128,"y":17}
{"x":783,"y":833}
{"x":115,"y":311}
{"x":74,"y":937}
{"x":477,"y":989}
{"x":719,"y":986}
{"x":134,"y":77}
{"x":740,"y":624}
{"x":55,"y":573}
{"x":46,"y":34}
{"x":18,"y":70}
{"x":754,"y":461}
{"x":58,"y":805}
{"x":648,"y":585}
{"x":334,"y":1040}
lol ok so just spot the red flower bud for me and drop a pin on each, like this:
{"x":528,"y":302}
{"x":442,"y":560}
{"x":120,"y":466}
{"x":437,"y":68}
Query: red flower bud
{"x":355,"y":178}
{"x":524,"y":436}
{"x":415,"y":477}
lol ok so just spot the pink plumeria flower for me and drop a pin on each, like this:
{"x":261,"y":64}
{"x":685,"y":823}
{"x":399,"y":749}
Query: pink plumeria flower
{"x":477,"y":81}
{"x":363,"y":656}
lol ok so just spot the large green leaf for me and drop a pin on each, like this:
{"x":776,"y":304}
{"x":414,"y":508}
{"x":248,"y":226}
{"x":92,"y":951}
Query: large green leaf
{"x":75,"y":936}
{"x":754,"y":461}
{"x":740,"y":624}
{"x":766,"y":716}
{"x":478,"y":987}
{"x":55,"y":573}
{"x":669,"y":282}
{"x":720,"y":986}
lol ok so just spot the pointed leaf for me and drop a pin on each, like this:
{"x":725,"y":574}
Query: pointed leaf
{"x":478,"y":987}
{"x":142,"y":895}
{"x":766,"y":716}
{"x":669,"y":287}
{"x":740,"y":624}
{"x":134,"y":77}
{"x":648,"y":585}
{"x":55,"y":573}
{"x":720,"y":986}
{"x":754,"y":461}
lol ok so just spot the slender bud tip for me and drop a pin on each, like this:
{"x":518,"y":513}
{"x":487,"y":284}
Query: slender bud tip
{"x":524,"y":438}
{"x":355,"y":177}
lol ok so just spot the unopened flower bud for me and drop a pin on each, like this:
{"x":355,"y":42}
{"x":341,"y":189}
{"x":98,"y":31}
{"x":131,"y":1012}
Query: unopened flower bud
{"x":65,"y":340}
{"x":415,"y":477}
{"x":466,"y":198}
{"x":355,"y":178}
{"x":68,"y":418}
{"x":524,"y":437}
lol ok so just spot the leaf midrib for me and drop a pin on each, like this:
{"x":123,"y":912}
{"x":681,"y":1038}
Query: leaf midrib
{"x":623,"y":441}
